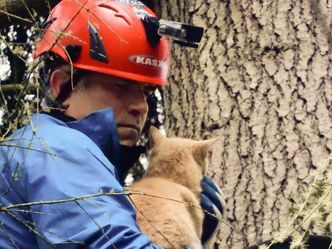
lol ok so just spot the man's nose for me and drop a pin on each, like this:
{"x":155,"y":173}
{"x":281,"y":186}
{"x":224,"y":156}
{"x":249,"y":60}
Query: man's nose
{"x":138,"y":103}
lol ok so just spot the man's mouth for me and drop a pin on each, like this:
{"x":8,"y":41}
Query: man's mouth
{"x":132,"y":126}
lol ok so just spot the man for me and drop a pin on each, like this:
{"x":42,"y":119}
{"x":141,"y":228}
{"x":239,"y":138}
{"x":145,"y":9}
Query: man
{"x":61,"y":175}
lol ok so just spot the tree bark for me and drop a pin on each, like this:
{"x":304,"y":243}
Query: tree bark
{"x":261,"y":80}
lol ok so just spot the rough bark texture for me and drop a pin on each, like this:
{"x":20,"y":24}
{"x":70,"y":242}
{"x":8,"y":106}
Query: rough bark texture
{"x":261,"y":79}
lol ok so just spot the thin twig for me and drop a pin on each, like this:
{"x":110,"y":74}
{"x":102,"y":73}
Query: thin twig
{"x":15,"y":16}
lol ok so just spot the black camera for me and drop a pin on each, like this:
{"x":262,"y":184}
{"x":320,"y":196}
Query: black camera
{"x":181,"y":33}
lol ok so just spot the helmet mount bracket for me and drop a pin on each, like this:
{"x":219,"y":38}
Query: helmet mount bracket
{"x":181,"y":33}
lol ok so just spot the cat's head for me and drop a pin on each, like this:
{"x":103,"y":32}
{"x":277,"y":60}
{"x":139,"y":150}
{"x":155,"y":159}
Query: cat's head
{"x":180,"y":159}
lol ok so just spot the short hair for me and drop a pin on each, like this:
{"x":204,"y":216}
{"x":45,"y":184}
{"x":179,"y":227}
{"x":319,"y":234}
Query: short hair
{"x":50,"y":62}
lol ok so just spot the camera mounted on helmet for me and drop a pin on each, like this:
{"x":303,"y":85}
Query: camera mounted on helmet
{"x":181,"y":33}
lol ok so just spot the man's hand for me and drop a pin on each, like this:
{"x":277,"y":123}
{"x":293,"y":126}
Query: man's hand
{"x":213,"y":203}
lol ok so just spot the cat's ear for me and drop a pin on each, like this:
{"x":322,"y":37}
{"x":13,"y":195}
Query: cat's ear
{"x":201,"y":150}
{"x":155,"y":136}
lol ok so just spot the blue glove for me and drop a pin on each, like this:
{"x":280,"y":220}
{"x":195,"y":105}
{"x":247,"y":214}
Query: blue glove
{"x":212,"y":202}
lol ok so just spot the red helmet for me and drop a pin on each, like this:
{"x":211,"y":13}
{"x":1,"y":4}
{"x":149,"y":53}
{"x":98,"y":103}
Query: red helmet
{"x":106,"y":36}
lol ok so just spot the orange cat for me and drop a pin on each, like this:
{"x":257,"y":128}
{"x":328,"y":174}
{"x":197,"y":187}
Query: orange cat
{"x":168,"y":208}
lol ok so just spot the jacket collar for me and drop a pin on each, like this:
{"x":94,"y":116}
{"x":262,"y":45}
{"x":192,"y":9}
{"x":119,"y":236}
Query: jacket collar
{"x":100,"y":127}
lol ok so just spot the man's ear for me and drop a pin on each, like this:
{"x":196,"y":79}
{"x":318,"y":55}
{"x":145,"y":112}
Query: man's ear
{"x":58,"y":78}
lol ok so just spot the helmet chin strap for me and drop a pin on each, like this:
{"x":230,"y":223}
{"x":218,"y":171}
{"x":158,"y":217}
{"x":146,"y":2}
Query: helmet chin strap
{"x":181,"y":33}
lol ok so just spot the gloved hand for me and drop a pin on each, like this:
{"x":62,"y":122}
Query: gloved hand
{"x":212,"y":202}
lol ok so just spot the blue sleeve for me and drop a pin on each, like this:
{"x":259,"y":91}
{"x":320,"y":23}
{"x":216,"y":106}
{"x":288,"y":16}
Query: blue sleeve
{"x":67,"y":167}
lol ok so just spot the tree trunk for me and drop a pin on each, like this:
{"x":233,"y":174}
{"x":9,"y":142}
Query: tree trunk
{"x":261,"y":80}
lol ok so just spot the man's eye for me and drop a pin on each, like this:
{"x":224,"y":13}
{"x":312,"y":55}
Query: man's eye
{"x":121,"y":85}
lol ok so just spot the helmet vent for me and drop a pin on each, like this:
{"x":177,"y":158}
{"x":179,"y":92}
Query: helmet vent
{"x":106,"y":6}
{"x":73,"y":51}
{"x":97,"y":50}
{"x":118,"y":14}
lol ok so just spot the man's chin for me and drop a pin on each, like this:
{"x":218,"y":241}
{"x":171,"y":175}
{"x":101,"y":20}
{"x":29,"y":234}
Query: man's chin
{"x":128,"y":136}
{"x":128,"y":143}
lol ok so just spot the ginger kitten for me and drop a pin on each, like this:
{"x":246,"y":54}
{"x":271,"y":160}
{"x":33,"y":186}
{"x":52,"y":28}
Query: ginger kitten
{"x":168,"y":208}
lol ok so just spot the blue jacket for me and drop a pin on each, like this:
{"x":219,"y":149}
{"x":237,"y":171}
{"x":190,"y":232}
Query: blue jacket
{"x":51,"y":160}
